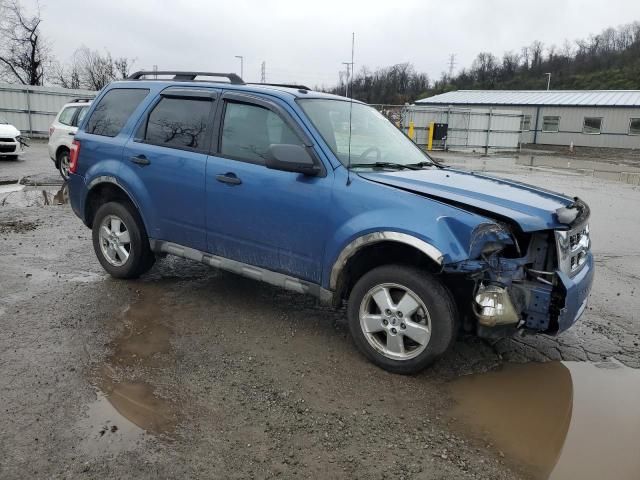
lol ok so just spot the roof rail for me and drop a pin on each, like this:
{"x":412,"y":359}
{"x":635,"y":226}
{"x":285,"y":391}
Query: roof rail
{"x":185,"y":76}
{"x":287,"y":85}
{"x":78,"y":100}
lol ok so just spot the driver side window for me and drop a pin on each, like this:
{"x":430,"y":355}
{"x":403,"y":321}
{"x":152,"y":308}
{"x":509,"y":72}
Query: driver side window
{"x":248,"y":131}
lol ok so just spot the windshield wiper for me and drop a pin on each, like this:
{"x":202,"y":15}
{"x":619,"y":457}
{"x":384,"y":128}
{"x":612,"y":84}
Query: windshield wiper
{"x":385,"y":165}
{"x":432,"y":163}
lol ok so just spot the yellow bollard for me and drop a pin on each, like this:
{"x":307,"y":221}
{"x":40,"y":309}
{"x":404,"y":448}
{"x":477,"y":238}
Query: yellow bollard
{"x":431,"y":129}
{"x":411,"y":132}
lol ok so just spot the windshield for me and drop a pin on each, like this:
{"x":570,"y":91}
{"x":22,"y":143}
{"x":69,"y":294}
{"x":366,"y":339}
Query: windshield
{"x":374,"y":140}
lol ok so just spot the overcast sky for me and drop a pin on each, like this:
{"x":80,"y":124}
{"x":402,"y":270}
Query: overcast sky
{"x":306,"y":41}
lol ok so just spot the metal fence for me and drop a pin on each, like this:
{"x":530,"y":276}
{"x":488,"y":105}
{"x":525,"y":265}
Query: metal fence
{"x":467,"y":128}
{"x":32,"y":109}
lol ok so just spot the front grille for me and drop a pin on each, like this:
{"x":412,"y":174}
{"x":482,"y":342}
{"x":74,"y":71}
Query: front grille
{"x":7,"y":140}
{"x":7,"y":148}
{"x":573,"y":248}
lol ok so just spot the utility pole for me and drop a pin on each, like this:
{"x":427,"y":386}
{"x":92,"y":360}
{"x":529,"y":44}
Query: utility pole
{"x":346,"y":84}
{"x":548,"y":80}
{"x":452,"y":64}
{"x":263,"y":72}
{"x":241,"y":65}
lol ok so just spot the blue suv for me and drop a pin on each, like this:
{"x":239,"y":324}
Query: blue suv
{"x":322,"y":195}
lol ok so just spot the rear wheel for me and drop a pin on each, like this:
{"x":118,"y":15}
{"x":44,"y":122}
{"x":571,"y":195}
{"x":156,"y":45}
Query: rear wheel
{"x":401,"y":318}
{"x":120,"y":241}
{"x":63,"y":159}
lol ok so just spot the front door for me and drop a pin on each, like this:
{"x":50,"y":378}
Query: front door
{"x":267,"y":218}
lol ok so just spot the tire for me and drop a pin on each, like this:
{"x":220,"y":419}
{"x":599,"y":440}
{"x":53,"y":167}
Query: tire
{"x":404,"y":344}
{"x":62,"y":160}
{"x":122,"y":255}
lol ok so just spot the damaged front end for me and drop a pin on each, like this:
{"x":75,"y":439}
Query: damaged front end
{"x":535,"y":281}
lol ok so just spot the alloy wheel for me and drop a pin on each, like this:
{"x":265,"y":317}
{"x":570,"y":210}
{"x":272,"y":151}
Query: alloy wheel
{"x":115,"y":241}
{"x":395,"y":321}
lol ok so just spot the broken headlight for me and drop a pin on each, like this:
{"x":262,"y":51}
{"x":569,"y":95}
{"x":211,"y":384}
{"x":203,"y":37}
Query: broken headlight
{"x":493,"y":306}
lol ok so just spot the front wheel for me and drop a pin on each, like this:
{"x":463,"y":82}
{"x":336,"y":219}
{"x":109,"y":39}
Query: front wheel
{"x":401,"y":318}
{"x":120,"y":241}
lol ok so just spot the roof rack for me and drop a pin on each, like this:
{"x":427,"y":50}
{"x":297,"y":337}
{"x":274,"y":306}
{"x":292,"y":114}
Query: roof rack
{"x":78,"y":100}
{"x":185,"y":76}
{"x":287,"y":85}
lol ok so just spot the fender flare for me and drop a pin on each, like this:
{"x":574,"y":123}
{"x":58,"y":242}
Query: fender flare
{"x":110,"y":179}
{"x":376,"y":237}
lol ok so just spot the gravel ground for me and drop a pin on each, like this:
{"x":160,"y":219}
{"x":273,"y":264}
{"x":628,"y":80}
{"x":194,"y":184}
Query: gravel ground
{"x":193,"y":373}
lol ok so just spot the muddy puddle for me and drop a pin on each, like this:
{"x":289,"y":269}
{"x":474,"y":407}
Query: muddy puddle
{"x":127,"y":410}
{"x":16,"y":195}
{"x":609,"y":171}
{"x":557,"y":420}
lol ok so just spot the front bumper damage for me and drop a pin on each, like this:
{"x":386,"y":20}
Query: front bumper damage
{"x":543,"y":288}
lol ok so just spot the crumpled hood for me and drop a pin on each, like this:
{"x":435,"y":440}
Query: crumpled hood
{"x":8,"y":131}
{"x":530,"y":207}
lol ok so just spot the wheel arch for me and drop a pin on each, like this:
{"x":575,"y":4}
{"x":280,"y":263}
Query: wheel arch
{"x":375,"y":249}
{"x":105,"y":189}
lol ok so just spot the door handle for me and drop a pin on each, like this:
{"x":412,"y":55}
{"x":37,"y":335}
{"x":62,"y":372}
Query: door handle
{"x":229,"y":178}
{"x":140,"y":160}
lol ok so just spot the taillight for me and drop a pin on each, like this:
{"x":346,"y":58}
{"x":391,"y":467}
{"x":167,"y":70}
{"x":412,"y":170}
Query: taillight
{"x":73,"y":157}
{"x":51,"y":130}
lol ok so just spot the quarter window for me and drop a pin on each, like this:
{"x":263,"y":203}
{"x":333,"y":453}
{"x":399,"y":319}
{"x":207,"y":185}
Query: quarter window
{"x":114,"y":110}
{"x":592,"y":125}
{"x":550,"y":124}
{"x":525,"y":123}
{"x":80,"y":117}
{"x":634,"y":126}
{"x":179,"y":123}
{"x":248,"y":130}
{"x":66,"y":117}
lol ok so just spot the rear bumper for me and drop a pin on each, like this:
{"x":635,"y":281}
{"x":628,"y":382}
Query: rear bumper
{"x":77,"y":195}
{"x":577,"y":293}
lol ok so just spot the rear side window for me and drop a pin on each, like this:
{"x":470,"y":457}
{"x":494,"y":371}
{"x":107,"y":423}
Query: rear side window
{"x":248,"y":130}
{"x":114,"y":110}
{"x":66,"y":116}
{"x":179,"y":123}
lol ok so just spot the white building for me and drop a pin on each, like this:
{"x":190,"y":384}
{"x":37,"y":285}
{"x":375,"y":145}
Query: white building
{"x":593,"y":118}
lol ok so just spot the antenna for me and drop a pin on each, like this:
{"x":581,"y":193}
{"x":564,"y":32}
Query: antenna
{"x":452,"y":64}
{"x":353,"y":42}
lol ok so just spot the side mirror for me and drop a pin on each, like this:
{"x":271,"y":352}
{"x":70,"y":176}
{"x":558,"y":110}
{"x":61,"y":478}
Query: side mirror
{"x":291,"y":158}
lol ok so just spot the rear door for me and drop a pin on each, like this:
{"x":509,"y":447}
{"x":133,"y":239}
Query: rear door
{"x":63,"y":126}
{"x":267,"y":218}
{"x":166,"y":159}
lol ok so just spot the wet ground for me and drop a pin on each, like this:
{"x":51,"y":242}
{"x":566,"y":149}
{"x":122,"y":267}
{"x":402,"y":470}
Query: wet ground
{"x":189,"y":372}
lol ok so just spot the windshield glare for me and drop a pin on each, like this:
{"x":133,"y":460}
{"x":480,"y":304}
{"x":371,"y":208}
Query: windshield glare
{"x":373,"y":137}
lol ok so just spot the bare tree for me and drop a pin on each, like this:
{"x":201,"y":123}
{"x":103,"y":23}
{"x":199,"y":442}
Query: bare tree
{"x":91,"y":69}
{"x":67,"y":76}
{"x":23,"y":50}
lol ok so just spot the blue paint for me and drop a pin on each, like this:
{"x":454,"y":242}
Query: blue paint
{"x":299,"y":225}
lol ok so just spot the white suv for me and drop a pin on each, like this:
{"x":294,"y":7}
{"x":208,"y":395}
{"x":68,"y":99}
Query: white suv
{"x":10,"y":144}
{"x":62,"y":130}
